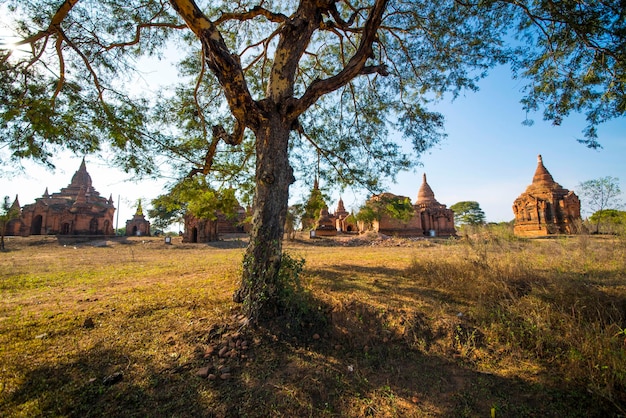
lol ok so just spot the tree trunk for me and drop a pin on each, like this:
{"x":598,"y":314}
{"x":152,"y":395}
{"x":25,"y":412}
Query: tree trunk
{"x":260,"y":287}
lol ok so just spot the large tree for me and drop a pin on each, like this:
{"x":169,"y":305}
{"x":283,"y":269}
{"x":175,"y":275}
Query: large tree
{"x":195,"y":197}
{"x":385,"y":204}
{"x":599,"y":195}
{"x":267,"y":83}
{"x":468,"y":213}
{"x":612,"y":220}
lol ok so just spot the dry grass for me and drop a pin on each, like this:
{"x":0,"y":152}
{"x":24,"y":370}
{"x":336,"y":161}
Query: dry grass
{"x":485,"y":324}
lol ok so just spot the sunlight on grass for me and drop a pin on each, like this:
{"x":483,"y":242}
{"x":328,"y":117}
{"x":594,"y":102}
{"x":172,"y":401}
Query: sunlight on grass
{"x":427,"y":328}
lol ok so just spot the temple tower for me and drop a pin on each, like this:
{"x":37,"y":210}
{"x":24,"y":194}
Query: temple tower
{"x":138,"y":225}
{"x":77,"y":209}
{"x":546,"y":208}
{"x":435,"y":218}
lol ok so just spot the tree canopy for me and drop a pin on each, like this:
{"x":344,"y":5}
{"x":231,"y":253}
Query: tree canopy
{"x":266,"y":86}
{"x":397,"y":207}
{"x":360,"y":70}
{"x":610,"y":215}
{"x":194,"y":196}
{"x":468,"y":213}
{"x":599,"y":195}
{"x":609,"y":221}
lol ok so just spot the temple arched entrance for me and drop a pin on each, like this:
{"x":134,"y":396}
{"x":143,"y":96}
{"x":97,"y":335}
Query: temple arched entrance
{"x":93,"y":226}
{"x":35,"y":226}
{"x":194,"y":234}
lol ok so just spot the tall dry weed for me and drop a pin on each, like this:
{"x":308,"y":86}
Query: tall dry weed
{"x":556,"y":304}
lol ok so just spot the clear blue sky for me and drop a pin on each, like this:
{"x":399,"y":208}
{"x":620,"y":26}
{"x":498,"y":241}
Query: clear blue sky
{"x":488,"y":156}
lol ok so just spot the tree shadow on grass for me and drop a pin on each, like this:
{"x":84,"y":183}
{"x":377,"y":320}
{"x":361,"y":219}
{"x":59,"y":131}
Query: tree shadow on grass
{"x":380,"y":282}
{"x":288,"y":375}
{"x":104,"y":382}
{"x":336,"y":361}
{"x":333,"y":370}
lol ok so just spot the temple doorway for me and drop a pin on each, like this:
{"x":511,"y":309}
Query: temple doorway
{"x":93,"y":226}
{"x":35,"y":228}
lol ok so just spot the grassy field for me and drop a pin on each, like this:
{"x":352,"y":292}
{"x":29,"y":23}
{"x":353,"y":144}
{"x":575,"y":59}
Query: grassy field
{"x":482,"y":326}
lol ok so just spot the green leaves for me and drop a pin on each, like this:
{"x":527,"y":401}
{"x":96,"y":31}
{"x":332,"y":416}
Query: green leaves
{"x":75,"y":89}
{"x":196,"y":197}
{"x":468,"y":213}
{"x":578,"y":63}
{"x":312,"y":208}
{"x":397,"y":207}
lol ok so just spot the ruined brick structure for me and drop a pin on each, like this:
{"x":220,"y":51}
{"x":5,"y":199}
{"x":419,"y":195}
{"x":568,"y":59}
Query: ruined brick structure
{"x":138,"y":225}
{"x":14,"y":226}
{"x":325,"y":224}
{"x":546,"y":208}
{"x":199,"y":229}
{"x":430,"y":218}
{"x":77,"y":209}
{"x":207,"y":230}
{"x":344,"y":221}
{"x":329,"y":224}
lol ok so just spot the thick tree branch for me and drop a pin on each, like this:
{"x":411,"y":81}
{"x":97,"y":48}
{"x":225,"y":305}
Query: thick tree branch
{"x":54,"y":25}
{"x":353,"y":68}
{"x":225,"y":66}
{"x":375,"y":69}
{"x":196,"y":91}
{"x":219,"y":134}
{"x":61,"y":82}
{"x":344,"y":24}
{"x":210,"y":154}
{"x":235,"y":139}
{"x":295,"y":36}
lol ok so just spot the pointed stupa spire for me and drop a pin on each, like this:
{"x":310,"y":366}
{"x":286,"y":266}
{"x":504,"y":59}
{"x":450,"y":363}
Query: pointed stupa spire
{"x":110,"y":202}
{"x":81,"y":177}
{"x":542,"y":175}
{"x":139,"y":209}
{"x":46,"y":194}
{"x":341,"y":211}
{"x":16,"y":204}
{"x":340,"y":206}
{"x":425,"y":193}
